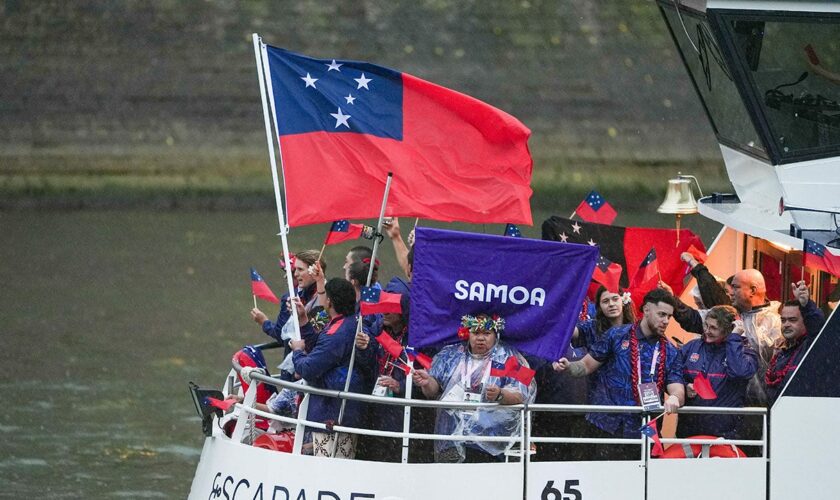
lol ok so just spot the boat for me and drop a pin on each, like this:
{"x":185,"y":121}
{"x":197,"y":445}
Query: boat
{"x":767,"y":74}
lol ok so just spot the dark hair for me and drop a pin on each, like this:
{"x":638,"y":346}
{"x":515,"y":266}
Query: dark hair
{"x":359,"y":253}
{"x":729,"y":280}
{"x":342,"y":295}
{"x":358,"y":272}
{"x":658,"y":295}
{"x":602,"y":323}
{"x":791,"y":303}
{"x":310,"y":256}
{"x":725,"y":317}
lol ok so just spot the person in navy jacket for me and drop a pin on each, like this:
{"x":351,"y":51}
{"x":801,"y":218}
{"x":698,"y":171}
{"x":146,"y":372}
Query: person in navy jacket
{"x":304,"y":278}
{"x":728,"y":361}
{"x":390,"y":379}
{"x":801,"y":321}
{"x":326,"y":367}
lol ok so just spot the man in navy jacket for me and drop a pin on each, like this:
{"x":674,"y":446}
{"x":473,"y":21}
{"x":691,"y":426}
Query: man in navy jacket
{"x":326,"y":367}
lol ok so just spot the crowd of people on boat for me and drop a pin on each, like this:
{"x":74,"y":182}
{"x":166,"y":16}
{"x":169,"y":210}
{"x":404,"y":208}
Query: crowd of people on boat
{"x":745,"y":350}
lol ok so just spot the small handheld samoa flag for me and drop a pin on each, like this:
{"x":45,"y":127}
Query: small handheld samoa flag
{"x":607,"y":273}
{"x":419,"y":357}
{"x":703,"y":387}
{"x":390,"y":345}
{"x":512,"y":369}
{"x":260,"y":289}
{"x":513,"y":230}
{"x":376,"y":301}
{"x":341,"y":231}
{"x":223,"y":405}
{"x":594,"y":208}
{"x":816,"y":255}
{"x":652,"y":432}
{"x":648,"y":270}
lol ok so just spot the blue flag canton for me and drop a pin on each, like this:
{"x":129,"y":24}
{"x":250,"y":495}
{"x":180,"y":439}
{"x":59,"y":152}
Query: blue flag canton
{"x":595,"y":200}
{"x":651,"y":256}
{"x":326,"y":95}
{"x":255,"y":275}
{"x":340,"y":226}
{"x":814,"y":248}
{"x":647,"y":430}
{"x":370,"y":294}
{"x":603,"y":263}
{"x":513,"y":230}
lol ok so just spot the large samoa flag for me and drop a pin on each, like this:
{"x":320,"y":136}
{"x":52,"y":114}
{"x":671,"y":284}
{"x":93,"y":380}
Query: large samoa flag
{"x":344,"y":125}
{"x":536,"y":286}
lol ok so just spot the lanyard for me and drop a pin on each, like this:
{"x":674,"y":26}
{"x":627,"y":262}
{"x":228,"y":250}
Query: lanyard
{"x":467,"y":374}
{"x":652,"y":363}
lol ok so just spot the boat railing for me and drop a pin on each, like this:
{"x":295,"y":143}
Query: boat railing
{"x":244,"y":429}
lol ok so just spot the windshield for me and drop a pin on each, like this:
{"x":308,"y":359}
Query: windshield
{"x":791,"y":68}
{"x":712,"y":79}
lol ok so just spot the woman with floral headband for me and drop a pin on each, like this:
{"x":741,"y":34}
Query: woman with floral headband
{"x":480,"y":370}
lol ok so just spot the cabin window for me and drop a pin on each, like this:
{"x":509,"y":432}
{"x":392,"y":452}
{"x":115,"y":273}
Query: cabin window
{"x":712,"y":79}
{"x":788,"y":66}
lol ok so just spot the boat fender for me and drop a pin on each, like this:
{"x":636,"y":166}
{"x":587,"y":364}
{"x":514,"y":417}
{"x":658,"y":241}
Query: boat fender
{"x":686,"y":450}
{"x":282,"y":442}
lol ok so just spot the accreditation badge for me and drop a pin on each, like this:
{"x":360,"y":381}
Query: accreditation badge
{"x":649,"y":397}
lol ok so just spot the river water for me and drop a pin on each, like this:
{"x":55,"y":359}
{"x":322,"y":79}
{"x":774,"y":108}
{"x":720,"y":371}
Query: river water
{"x":105,"y":316}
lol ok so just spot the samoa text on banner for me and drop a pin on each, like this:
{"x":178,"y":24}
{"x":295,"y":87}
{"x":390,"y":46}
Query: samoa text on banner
{"x":343,"y":125}
{"x":536,"y":286}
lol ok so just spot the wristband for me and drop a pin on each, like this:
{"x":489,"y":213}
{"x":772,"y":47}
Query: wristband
{"x":499,"y":397}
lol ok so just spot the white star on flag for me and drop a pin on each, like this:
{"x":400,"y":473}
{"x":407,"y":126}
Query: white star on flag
{"x":576,"y":227}
{"x":340,"y":118}
{"x":334,"y":66}
{"x":350,"y":99}
{"x":363,"y":82}
{"x":310,"y":82}
{"x":563,"y":237}
{"x":591,"y":243}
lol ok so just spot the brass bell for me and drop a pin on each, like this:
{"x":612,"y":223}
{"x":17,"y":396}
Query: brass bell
{"x":679,"y":199}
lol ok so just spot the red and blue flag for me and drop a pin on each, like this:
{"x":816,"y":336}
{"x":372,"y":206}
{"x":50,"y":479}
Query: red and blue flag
{"x":453,"y":157}
{"x":594,"y":208}
{"x":414,"y":355}
{"x":652,"y":432}
{"x":341,"y":231}
{"x":260,"y":288}
{"x":374,"y":300}
{"x":513,"y":230}
{"x":648,"y":270}
{"x":607,"y":273}
{"x":816,"y":255}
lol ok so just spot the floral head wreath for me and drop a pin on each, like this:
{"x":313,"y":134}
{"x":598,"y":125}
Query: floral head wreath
{"x":292,"y":260}
{"x":471,"y":324}
{"x":625,"y":298}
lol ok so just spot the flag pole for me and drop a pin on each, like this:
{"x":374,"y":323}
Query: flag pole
{"x":267,"y":95}
{"x":255,"y":300}
{"x":376,"y":240}
{"x":407,"y":414}
{"x":574,"y":212}
{"x":321,"y":253}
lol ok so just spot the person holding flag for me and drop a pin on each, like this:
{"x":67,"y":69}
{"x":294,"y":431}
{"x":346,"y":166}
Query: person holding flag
{"x":325,"y":366}
{"x":281,"y":329}
{"x":716,"y":370}
{"x":637,"y":365}
{"x":479,"y":370}
{"x":392,"y":368}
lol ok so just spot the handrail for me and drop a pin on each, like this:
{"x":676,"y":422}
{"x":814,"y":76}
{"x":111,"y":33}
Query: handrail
{"x":367,"y":398}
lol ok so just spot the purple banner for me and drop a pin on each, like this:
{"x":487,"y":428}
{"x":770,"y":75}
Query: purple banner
{"x":536,"y":286}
